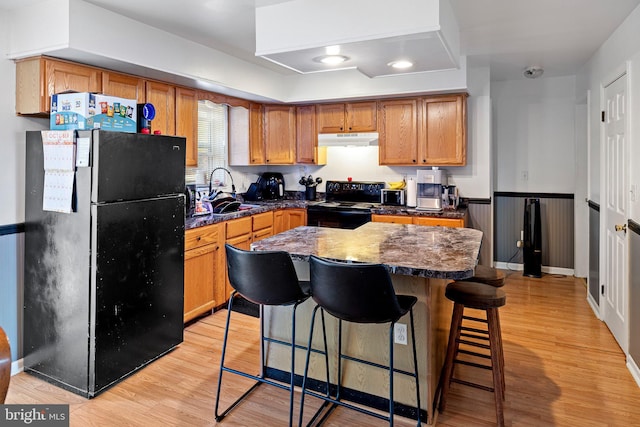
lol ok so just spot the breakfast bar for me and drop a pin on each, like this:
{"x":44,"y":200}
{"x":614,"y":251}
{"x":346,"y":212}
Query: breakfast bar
{"x":421,"y":261}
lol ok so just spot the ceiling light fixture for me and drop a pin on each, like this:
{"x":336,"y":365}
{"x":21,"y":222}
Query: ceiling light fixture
{"x":331,"y":59}
{"x":533,"y":72}
{"x":400,"y":65}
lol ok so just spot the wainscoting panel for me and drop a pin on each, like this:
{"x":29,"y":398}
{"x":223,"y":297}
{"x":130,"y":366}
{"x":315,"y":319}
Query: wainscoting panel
{"x":11,"y":285}
{"x":480,"y":219}
{"x":594,"y":253}
{"x":557,"y":224}
{"x":634,"y":291}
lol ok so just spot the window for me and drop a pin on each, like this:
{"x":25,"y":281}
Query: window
{"x":213,"y":137}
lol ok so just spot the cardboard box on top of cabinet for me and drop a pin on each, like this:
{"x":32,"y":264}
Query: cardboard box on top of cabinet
{"x":84,"y":111}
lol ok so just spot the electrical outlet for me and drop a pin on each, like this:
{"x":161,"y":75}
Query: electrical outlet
{"x":400,"y":333}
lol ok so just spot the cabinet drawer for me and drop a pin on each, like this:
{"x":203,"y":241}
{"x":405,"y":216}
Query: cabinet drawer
{"x":200,"y":236}
{"x":445,"y":222}
{"x":395,"y":219}
{"x":262,"y":234}
{"x":262,"y":220}
{"x":238,"y":227}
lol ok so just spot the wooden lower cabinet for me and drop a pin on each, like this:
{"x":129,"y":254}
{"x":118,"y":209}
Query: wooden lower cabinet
{"x":239,"y":234}
{"x":203,"y":270}
{"x":419,"y":220}
{"x":262,"y":226}
{"x":286,"y":219}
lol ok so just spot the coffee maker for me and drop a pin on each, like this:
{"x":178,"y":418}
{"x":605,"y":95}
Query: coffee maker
{"x":271,"y":185}
{"x":430,"y":185}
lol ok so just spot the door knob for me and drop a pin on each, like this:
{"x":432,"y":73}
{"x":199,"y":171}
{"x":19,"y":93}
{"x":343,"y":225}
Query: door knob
{"x":622,"y":227}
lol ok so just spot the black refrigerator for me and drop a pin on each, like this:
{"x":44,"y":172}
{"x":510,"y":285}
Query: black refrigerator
{"x":103,"y":285}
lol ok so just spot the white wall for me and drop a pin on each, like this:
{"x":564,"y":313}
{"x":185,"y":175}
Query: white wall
{"x":535,"y":134}
{"x":620,"y":51}
{"x":12,"y":138}
{"x":154,"y":52}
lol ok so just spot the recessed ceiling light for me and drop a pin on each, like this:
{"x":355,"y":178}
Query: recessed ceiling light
{"x":332,"y":50}
{"x":331,"y":59}
{"x":401,"y":65}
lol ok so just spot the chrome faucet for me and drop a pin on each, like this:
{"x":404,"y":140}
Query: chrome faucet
{"x":233,"y":187}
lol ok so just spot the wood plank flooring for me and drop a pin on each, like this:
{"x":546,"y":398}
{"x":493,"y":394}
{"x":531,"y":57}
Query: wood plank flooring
{"x":563,"y":368}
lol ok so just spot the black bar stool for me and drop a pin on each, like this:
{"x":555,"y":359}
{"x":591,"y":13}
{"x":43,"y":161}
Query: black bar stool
{"x":359,"y":293}
{"x":264,"y":278}
{"x":468,"y":294}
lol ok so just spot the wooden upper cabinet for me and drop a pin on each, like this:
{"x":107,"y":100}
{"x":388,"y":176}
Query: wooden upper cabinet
{"x":361,"y":116}
{"x":123,"y":86}
{"x":444,"y":140}
{"x":40,"y":77}
{"x":426,"y":131}
{"x":351,"y":117}
{"x":306,"y":134}
{"x":280,"y":134}
{"x":163,"y":98}
{"x":398,"y":133}
{"x":330,"y":118}
{"x":256,"y":134}
{"x":187,"y":122}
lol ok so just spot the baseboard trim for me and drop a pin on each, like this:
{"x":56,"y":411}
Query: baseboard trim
{"x":520,"y":267}
{"x":633,"y":368}
{"x":17,"y":367}
{"x":594,"y":306}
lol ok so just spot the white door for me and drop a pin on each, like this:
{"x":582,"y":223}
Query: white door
{"x":614,"y":299}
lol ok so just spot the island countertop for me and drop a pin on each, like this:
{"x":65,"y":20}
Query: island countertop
{"x":405,"y":249}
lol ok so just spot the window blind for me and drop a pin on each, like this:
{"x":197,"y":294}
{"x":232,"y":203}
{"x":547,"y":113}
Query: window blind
{"x":213,"y":137}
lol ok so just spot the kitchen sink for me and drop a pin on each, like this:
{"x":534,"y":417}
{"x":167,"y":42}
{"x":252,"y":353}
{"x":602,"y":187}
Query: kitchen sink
{"x":241,"y":208}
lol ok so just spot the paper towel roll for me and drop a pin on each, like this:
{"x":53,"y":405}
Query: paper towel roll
{"x":412,"y":190}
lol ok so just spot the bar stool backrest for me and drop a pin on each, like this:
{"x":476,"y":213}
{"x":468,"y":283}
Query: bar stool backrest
{"x":360,"y":293}
{"x":264,"y":277}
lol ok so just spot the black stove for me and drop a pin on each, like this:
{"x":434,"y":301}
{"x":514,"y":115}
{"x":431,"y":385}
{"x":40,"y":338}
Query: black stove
{"x":348,"y":204}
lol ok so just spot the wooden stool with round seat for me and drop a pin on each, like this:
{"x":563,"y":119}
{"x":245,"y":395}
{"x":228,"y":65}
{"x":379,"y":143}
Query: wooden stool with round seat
{"x":479,"y":296}
{"x":488,"y":275}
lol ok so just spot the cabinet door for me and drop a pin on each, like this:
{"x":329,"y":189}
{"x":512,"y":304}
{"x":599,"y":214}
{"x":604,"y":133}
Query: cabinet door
{"x":163,"y":98}
{"x":306,"y":134}
{"x":394,"y":219}
{"x":444,"y":127}
{"x":123,"y":86}
{"x":362,"y":117}
{"x":63,"y":76}
{"x":256,"y":134}
{"x":278,"y":221}
{"x":199,"y":281}
{"x":330,"y":118}
{"x":241,"y":242}
{"x":398,"y":132}
{"x":279,"y":134}
{"x":39,"y":78}
{"x":187,"y":122}
{"x":295,"y":218}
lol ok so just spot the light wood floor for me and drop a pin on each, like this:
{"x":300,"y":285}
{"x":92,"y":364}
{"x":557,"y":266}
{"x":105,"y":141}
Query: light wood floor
{"x":563,"y":368}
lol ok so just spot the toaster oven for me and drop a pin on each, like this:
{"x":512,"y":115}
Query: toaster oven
{"x":392,"y":197}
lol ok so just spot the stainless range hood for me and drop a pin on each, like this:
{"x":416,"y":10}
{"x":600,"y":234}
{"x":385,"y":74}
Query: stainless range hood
{"x":361,"y":139}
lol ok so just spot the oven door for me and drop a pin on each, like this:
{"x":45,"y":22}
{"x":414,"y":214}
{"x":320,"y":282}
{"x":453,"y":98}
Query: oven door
{"x":335,"y":218}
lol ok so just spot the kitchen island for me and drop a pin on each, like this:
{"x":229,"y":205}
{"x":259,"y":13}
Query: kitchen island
{"x":421,"y":260}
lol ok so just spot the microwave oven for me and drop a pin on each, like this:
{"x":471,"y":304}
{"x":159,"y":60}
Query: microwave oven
{"x":392,"y":197}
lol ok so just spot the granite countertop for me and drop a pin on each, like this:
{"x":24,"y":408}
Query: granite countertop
{"x":412,"y":250}
{"x":271,"y":205}
{"x":260,"y":207}
{"x":403,"y":210}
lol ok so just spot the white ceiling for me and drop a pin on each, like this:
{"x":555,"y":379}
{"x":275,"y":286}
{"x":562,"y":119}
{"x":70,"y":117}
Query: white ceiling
{"x":510,"y":35}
